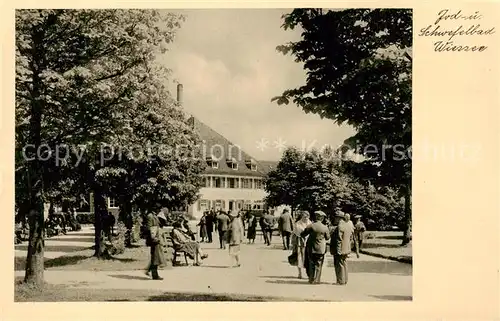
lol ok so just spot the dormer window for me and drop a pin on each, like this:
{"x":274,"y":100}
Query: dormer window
{"x":251,"y":164}
{"x":212,"y":162}
{"x":232,"y":163}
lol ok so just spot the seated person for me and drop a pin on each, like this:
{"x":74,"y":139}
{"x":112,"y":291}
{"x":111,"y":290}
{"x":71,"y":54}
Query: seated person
{"x":182,"y":241}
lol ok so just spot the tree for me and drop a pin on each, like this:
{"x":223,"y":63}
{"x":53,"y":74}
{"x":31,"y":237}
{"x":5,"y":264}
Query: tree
{"x":358,"y":66}
{"x":76,"y":73}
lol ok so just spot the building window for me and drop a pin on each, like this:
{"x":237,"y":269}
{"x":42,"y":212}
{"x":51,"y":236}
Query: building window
{"x":208,"y":179}
{"x":246,"y":183}
{"x":215,"y":165}
{"x":203,"y":205}
{"x":112,"y":203}
{"x":219,"y":205}
{"x":251,"y":164}
{"x":232,"y":182}
{"x":258,"y":184}
{"x":232,"y":163}
{"x":253,"y":167}
{"x":247,"y":205}
{"x":234,"y":166}
{"x":258,"y":205}
{"x":217,"y":182}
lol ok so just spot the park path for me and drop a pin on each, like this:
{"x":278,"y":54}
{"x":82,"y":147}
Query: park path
{"x":264,"y":272}
{"x":61,"y":245}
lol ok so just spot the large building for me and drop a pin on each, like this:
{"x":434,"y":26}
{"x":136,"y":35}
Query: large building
{"x":233,"y":179}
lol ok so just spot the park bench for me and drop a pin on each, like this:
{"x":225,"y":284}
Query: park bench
{"x":175,"y":251}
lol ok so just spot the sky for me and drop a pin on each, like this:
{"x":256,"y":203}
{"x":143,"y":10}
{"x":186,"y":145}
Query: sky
{"x":227,"y":61}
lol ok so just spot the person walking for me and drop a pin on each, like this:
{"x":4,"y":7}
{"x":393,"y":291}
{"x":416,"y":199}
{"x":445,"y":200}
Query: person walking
{"x":222,"y":227}
{"x":359,"y":231}
{"x":298,"y":242}
{"x":235,"y":238}
{"x":317,"y":234}
{"x":341,"y":247}
{"x":154,"y":240}
{"x":285,"y":226}
{"x":203,"y":227}
{"x":252,"y":228}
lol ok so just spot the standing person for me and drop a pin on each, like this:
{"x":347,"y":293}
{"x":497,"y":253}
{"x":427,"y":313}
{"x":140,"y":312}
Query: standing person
{"x":269,"y":221}
{"x":262,"y":225}
{"x":252,"y":228}
{"x":235,"y":238}
{"x":209,"y":221}
{"x":222,"y":227}
{"x":242,"y":217}
{"x":285,"y":226}
{"x":341,"y":247}
{"x":359,"y":231}
{"x":298,"y":242}
{"x":203,"y":227}
{"x":154,"y":241}
{"x":315,"y":250}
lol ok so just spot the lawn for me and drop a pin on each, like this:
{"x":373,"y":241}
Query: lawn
{"x":135,"y":258}
{"x":65,"y":293}
{"x":388,"y":244}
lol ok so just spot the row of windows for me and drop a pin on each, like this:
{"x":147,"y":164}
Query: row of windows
{"x":205,"y":205}
{"x":233,"y":182}
{"x":232,"y":165}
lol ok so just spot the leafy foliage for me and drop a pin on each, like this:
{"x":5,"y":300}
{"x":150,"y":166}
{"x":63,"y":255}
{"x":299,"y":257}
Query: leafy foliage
{"x":359,"y":72}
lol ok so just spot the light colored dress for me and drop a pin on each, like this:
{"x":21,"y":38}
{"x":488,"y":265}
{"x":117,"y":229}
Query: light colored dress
{"x":235,"y":236}
{"x":298,"y":242}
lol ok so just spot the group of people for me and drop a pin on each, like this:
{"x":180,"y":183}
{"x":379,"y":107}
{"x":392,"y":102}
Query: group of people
{"x":230,"y":229}
{"x":310,"y":242}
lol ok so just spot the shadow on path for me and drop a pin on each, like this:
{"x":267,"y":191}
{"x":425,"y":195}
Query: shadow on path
{"x":129,"y":277}
{"x":377,"y":267}
{"x":55,"y":248}
{"x":72,"y":239}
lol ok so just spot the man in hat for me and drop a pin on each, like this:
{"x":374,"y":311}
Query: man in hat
{"x":267,"y":227}
{"x":285,"y":226}
{"x":340,"y":247}
{"x":359,"y":231}
{"x":154,"y":241}
{"x":315,"y":246}
{"x":223,"y":221}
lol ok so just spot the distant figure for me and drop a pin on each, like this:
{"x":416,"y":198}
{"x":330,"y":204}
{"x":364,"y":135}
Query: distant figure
{"x":235,"y":238}
{"x":299,"y":242}
{"x":315,"y":250}
{"x":359,"y":231}
{"x":209,"y":221}
{"x":222,"y":227}
{"x":340,"y":247}
{"x":268,"y":221}
{"x":285,"y":226}
{"x":203,"y":226}
{"x":252,"y":228}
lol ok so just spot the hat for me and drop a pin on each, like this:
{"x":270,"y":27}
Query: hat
{"x":233,"y":214}
{"x":320,"y":214}
{"x":357,"y":216}
{"x":285,"y":210}
{"x":162,"y":215}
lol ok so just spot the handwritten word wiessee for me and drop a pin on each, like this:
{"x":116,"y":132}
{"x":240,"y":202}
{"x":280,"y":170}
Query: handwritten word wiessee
{"x":437,"y":30}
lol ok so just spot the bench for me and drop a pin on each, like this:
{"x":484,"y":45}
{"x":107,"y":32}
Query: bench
{"x":176,"y":252}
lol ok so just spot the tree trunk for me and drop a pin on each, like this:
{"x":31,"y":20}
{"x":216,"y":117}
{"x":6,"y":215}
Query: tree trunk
{"x":99,"y":210}
{"x":126,"y":217}
{"x":35,"y":258}
{"x":407,"y":230}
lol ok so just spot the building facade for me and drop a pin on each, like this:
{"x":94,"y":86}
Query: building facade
{"x":233,"y":180}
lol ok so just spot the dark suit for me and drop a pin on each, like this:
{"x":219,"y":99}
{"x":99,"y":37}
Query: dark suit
{"x":222,"y":227}
{"x":315,"y":249}
{"x":285,"y":226}
{"x":154,"y":241}
{"x":210,"y":225}
{"x":267,"y":224}
{"x":340,"y":248}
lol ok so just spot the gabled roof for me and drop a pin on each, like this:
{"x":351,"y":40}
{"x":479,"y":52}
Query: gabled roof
{"x":214,"y":144}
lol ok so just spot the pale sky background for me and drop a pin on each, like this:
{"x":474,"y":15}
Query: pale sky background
{"x":227,"y":61}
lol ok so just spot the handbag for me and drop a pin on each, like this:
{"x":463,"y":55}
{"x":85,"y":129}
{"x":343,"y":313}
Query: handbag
{"x":293,"y":259}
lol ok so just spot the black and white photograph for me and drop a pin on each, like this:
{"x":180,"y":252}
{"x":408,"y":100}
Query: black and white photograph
{"x":250,"y":154}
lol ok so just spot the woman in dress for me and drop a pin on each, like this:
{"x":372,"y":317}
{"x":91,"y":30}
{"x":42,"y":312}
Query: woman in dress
{"x":252,"y":228}
{"x":298,"y":242}
{"x":182,"y":241}
{"x":203,"y":227}
{"x":235,"y":238}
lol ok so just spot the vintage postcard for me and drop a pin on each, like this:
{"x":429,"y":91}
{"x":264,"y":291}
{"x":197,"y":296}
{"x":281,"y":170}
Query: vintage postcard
{"x":282,"y":153}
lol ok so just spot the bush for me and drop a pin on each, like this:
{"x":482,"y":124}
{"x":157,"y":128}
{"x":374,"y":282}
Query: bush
{"x":136,"y":228}
{"x":118,"y":241}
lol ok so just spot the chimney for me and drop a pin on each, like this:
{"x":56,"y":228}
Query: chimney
{"x":179,"y":94}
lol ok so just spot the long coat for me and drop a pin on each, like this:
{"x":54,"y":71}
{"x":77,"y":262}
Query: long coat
{"x":235,"y":232}
{"x":155,"y":240}
{"x":318,"y":235}
{"x":341,"y":239}
{"x":285,"y":223}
